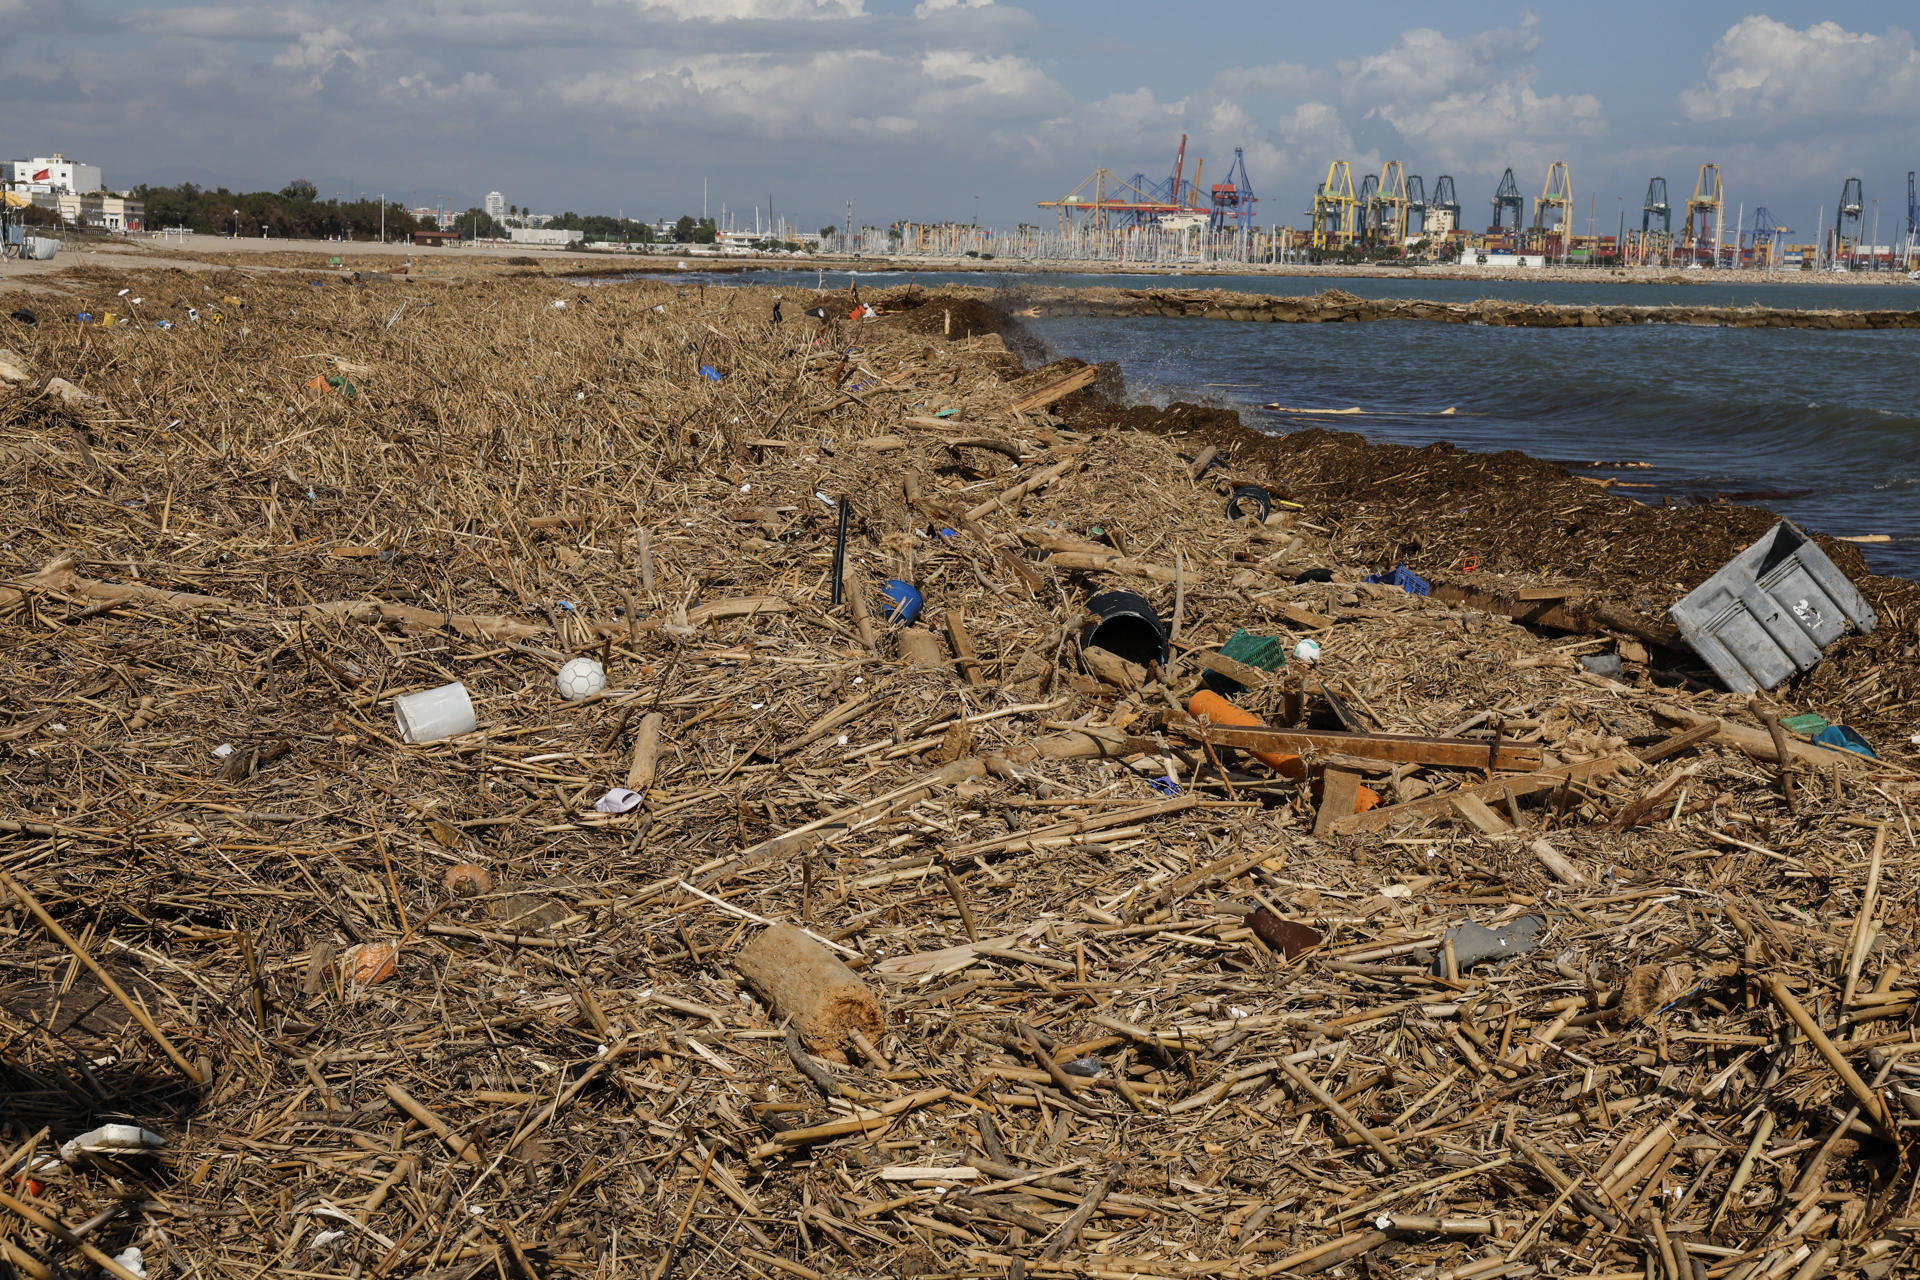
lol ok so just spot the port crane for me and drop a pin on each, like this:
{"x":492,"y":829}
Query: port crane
{"x":1333,"y":208}
{"x":1507,"y":196}
{"x":1705,"y":203}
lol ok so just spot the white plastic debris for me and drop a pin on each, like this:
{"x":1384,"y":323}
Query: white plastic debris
{"x":581,"y":678}
{"x":111,"y":1139}
{"x":130,"y":1258}
{"x":1307,"y":651}
{"x":222,"y":751}
{"x":433,"y":714}
{"x":320,"y":1241}
{"x":558,"y":304}
{"x":618,"y":800}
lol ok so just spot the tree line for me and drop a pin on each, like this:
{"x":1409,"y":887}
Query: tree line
{"x":296,"y":211}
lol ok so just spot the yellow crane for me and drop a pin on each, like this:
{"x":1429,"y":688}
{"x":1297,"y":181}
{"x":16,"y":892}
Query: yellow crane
{"x":1334,"y":208}
{"x":1556,"y":197}
{"x":1388,"y":216}
{"x":1704,"y":203}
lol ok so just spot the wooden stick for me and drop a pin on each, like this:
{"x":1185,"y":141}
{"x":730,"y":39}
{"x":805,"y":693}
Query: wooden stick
{"x":1065,"y":387}
{"x":646,"y":753}
{"x":673,"y":1246}
{"x":67,"y":1236}
{"x":1863,"y":923}
{"x":66,"y":940}
{"x":1842,"y":1068}
{"x":1092,"y":562}
{"x":1070,"y":1229}
{"x":1783,"y":759}
{"x":1556,"y":863}
{"x":1341,"y":1114}
{"x":1024,"y":488}
{"x":966,"y":659}
{"x":434,"y":1124}
{"x":856,"y":596}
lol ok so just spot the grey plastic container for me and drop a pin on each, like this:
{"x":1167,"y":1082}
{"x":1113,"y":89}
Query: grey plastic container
{"x":1771,"y":611}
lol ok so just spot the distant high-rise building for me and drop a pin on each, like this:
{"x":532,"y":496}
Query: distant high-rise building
{"x":496,"y":205}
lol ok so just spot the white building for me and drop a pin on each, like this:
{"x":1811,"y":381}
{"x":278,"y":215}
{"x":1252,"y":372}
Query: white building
{"x":528,"y":235}
{"x":51,"y":175}
{"x":496,"y":205}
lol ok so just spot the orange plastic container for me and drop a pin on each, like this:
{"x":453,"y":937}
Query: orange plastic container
{"x":1206,"y":704}
{"x":1211,"y":706}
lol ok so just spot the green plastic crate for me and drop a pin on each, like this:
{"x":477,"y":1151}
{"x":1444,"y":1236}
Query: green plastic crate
{"x":1265,"y":652}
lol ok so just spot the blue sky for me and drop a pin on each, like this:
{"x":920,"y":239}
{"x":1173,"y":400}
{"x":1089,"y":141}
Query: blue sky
{"x":929,"y":108}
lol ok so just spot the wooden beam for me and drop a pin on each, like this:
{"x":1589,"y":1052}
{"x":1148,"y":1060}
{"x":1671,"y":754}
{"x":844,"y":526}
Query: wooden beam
{"x":1060,"y":390}
{"x":1484,"y":819}
{"x":1455,"y":753}
{"x":1435,"y":805}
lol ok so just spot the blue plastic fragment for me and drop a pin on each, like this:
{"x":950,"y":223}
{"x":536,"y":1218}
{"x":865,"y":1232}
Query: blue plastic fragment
{"x":85,"y":317}
{"x":946,"y":413}
{"x":948,"y":533}
{"x":1403,"y":578}
{"x":904,"y":601}
{"x":1838,"y":735}
{"x":1165,"y":786}
{"x":710,"y":373}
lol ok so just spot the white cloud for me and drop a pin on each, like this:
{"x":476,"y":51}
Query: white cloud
{"x":317,"y":52}
{"x":927,"y":8}
{"x":1469,"y":102}
{"x":752,"y":10}
{"x":1764,"y":68}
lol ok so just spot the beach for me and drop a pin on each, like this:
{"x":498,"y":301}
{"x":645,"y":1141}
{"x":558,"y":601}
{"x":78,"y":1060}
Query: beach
{"x":856,"y":930}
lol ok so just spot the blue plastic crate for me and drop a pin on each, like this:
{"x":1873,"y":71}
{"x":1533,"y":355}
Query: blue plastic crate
{"x":1403,"y":578}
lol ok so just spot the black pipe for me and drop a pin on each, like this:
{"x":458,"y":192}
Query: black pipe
{"x":840,"y":552}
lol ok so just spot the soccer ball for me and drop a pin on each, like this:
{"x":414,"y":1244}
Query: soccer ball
{"x":581,"y":678}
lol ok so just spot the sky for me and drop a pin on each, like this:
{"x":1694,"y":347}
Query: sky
{"x":964,"y":109}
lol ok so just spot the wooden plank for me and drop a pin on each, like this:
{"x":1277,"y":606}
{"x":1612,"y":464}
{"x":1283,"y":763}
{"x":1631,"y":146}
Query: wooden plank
{"x":1340,"y":791}
{"x":1220,"y":664}
{"x":1678,"y":742}
{"x":1431,"y":806}
{"x":1484,"y":819}
{"x":1300,"y":617}
{"x":1467,"y":753}
{"x":1073,"y":382}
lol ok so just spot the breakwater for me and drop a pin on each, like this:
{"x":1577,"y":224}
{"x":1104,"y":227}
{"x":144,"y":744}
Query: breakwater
{"x":1336,"y":306}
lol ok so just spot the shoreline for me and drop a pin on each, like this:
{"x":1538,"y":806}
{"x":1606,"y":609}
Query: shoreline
{"x":132,"y":253}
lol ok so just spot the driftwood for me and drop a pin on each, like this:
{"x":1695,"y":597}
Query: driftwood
{"x":807,"y":985}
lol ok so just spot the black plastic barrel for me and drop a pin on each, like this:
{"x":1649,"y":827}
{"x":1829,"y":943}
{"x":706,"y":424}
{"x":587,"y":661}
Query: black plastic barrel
{"x":1127,"y":626}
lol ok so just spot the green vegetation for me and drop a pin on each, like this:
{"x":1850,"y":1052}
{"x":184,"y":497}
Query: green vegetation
{"x":294,"y":211}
